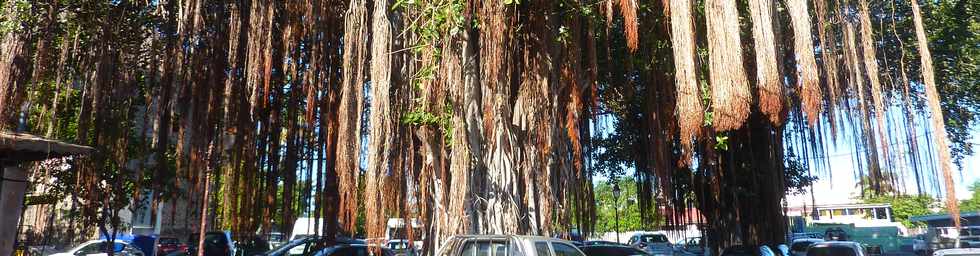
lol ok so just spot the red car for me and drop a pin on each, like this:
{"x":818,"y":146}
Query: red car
{"x":168,"y":245}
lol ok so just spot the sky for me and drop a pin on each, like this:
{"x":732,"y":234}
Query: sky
{"x":837,"y":182}
{"x":839,"y":188}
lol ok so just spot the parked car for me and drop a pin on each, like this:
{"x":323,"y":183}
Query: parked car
{"x":599,"y":242}
{"x":275,"y":239}
{"x":612,"y":250}
{"x":798,"y":247}
{"x":98,"y":248}
{"x":501,"y":245}
{"x":693,"y":246}
{"x":655,"y":243}
{"x":353,"y":250}
{"x":216,"y":243}
{"x":401,"y":247}
{"x":836,"y":248}
{"x":740,"y":250}
{"x":307,"y":245}
{"x":167,"y":245}
{"x":958,"y":252}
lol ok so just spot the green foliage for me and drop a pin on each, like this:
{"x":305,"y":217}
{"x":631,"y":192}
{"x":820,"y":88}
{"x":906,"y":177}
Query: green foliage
{"x":796,"y":177}
{"x":443,"y":121}
{"x":954,"y":38}
{"x":436,"y":23}
{"x":906,"y":206}
{"x":721,"y":142}
{"x":629,"y":211}
{"x":972,"y":204}
{"x":15,"y":13}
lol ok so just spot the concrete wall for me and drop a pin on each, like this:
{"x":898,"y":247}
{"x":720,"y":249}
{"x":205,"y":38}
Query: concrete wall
{"x":11,"y":201}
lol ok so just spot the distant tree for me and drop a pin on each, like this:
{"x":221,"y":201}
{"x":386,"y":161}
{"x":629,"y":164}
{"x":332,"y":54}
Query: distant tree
{"x":972,"y":204}
{"x":629,"y":212}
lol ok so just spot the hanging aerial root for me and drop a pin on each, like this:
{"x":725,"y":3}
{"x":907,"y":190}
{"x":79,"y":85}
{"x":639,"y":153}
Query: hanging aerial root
{"x":938,"y":126}
{"x":871,"y":68}
{"x":730,"y":93}
{"x":351,"y":103}
{"x":628,"y":7}
{"x":807,"y":77}
{"x":767,"y":73}
{"x":690,"y":113}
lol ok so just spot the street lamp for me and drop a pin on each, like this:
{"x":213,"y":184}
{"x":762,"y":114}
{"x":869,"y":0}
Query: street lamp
{"x":615,"y":191}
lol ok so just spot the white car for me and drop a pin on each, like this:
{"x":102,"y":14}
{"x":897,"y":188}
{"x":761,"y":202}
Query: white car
{"x":958,"y":252}
{"x":654,"y":243}
{"x":798,"y":247}
{"x":97,"y":248}
{"x":836,"y":248}
{"x":503,"y":245}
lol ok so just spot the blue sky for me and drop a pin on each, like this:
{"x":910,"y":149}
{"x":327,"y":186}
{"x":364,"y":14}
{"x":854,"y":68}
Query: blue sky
{"x":840,"y":188}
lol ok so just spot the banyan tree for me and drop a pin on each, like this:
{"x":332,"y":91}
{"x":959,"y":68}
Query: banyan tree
{"x":476,"y":117}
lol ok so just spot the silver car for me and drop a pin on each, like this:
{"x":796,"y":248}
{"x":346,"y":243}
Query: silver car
{"x":836,"y":248}
{"x":958,"y":252}
{"x":654,"y":243}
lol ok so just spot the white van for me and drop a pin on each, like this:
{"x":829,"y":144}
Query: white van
{"x":304,"y":227}
{"x":396,"y":230}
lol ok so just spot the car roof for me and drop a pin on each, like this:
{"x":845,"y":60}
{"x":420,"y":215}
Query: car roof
{"x":521,"y":237}
{"x":837,"y":244}
{"x":960,"y":251}
{"x":807,"y":240}
{"x":643,"y":233}
{"x":606,"y":246}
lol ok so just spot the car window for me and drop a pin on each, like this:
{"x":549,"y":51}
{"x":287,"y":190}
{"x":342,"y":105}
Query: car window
{"x":541,"y":249}
{"x":499,"y":249}
{"x":654,"y":238}
{"x":215,"y":238}
{"x":830,"y":251}
{"x":612,"y":251}
{"x":349,"y":251}
{"x":694,"y":242}
{"x":561,"y":249}
{"x":485,"y":248}
{"x":801,"y":246}
{"x":89,"y":249}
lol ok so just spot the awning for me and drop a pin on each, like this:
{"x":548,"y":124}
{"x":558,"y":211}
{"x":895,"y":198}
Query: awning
{"x":22,"y":147}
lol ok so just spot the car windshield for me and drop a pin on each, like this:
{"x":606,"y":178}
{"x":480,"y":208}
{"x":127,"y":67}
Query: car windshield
{"x":289,"y":245}
{"x":831,"y":251}
{"x":612,"y":251}
{"x":168,"y":240}
{"x":802,"y":245}
{"x":653,"y":239}
{"x":398,"y":245}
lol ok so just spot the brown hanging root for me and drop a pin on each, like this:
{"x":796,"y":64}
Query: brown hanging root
{"x":380,"y":120}
{"x":767,"y":72}
{"x":730,"y":93}
{"x":828,"y":44}
{"x":937,"y":115}
{"x":348,"y":152}
{"x":690,"y":113}
{"x":807,"y":78}
{"x":628,"y":8}
{"x":871,"y":69}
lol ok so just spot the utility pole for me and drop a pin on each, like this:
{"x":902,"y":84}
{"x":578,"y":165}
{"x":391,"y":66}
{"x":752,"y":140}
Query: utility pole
{"x":616,"y":191}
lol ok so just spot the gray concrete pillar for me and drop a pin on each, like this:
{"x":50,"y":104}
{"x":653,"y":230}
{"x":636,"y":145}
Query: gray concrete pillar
{"x":11,"y":201}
